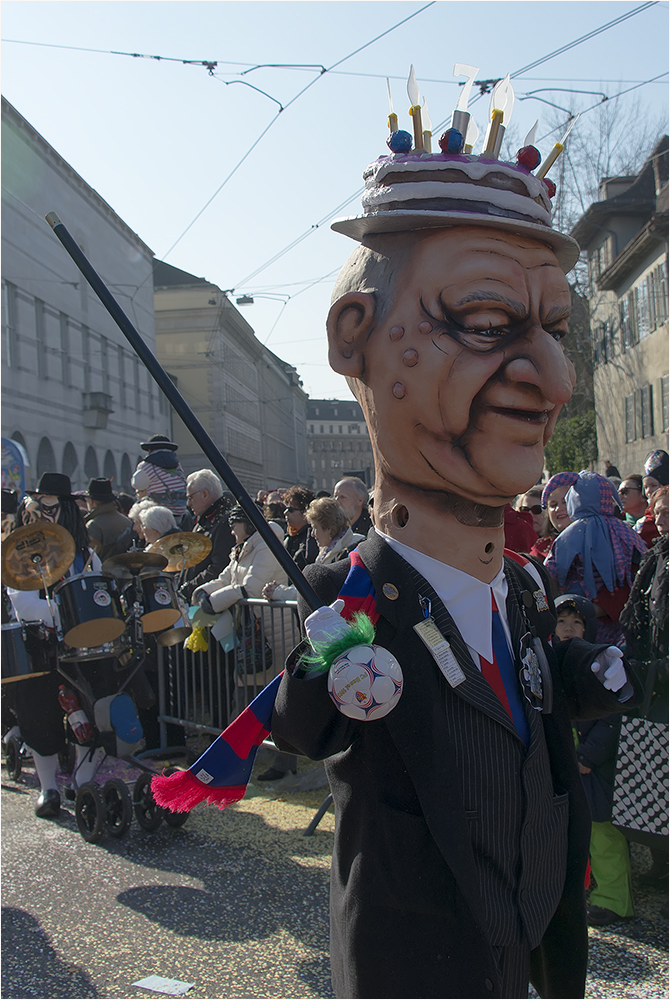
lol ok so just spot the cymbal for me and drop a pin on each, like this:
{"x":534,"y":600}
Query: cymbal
{"x":185,"y":548}
{"x":134,"y":562}
{"x":42,"y":544}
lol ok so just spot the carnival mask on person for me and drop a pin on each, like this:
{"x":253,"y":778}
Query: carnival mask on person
{"x":42,"y":508}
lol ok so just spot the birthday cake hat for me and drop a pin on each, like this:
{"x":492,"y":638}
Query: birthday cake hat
{"x":413,"y":188}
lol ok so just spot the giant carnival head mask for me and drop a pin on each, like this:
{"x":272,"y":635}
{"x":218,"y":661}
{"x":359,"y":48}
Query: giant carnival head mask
{"x":447,"y":320}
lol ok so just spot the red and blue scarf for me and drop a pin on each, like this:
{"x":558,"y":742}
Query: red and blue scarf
{"x":221,"y":775}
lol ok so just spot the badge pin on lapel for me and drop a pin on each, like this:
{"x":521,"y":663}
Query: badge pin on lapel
{"x":438,"y":647}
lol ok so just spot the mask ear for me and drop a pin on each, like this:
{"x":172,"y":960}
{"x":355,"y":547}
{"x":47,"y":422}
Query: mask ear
{"x":350,"y":322}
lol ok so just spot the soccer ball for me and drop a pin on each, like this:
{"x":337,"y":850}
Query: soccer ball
{"x":365,"y":682}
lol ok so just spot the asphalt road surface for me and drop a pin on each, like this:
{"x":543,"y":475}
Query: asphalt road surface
{"x":235,"y":902}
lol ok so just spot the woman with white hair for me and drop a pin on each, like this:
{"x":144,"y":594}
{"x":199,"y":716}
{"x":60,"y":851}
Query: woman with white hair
{"x":156,"y":522}
{"x":209,"y":505}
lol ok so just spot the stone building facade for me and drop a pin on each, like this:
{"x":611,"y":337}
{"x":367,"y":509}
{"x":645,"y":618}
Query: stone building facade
{"x":625,"y":236}
{"x":74,"y":394}
{"x":338,"y":443}
{"x":249,"y":401}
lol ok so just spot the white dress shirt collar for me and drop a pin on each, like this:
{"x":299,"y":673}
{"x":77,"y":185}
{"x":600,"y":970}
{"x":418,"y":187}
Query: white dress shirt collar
{"x":467,"y":599}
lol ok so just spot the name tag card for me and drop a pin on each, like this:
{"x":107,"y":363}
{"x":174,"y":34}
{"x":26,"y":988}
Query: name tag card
{"x":440,"y":650}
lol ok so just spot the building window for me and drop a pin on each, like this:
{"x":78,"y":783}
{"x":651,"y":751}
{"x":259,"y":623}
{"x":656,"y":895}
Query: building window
{"x":311,"y":428}
{"x":86,"y":357}
{"x":330,"y":428}
{"x":642,"y":308}
{"x":630,"y":419}
{"x":64,"y":349}
{"x":104,"y":365}
{"x":136,"y":375}
{"x":91,"y":464}
{"x":664,"y":401}
{"x":70,"y":461}
{"x":628,"y":316}
{"x":109,"y":468}
{"x":150,"y":392}
{"x":46,"y":460}
{"x":646,"y":412}
{"x":10,"y":346}
{"x":40,"y":337}
{"x":320,"y":427}
{"x":339,"y":429}
{"x":122,"y":378}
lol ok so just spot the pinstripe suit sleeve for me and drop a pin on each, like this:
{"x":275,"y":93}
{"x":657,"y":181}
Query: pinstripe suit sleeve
{"x":586,"y":696}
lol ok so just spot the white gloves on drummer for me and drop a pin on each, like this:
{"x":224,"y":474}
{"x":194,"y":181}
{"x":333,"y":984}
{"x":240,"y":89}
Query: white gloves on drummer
{"x":609,"y":669}
{"x":326,"y":624}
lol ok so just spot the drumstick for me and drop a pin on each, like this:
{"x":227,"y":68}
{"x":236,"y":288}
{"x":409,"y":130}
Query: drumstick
{"x":184,"y":411}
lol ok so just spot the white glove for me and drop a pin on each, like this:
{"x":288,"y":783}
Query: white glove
{"x":326,"y":624}
{"x":609,"y":669}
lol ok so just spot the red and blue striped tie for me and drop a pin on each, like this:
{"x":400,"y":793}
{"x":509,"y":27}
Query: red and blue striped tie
{"x":501,"y":675}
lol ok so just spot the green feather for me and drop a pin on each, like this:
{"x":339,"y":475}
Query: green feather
{"x":361,"y":633}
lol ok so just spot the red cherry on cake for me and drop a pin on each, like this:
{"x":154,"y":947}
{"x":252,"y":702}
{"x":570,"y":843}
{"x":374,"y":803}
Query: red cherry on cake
{"x":550,"y":186}
{"x":528,"y":157}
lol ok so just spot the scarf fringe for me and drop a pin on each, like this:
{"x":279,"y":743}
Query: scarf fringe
{"x":182,"y":791}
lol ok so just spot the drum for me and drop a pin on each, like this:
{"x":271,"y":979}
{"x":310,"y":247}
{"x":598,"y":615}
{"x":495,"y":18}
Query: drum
{"x":90,"y":610}
{"x":17,"y":664}
{"x":85,"y":653}
{"x":159,"y":600}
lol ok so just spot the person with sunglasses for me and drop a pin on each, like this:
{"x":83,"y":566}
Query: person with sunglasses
{"x":635,"y":508}
{"x":299,"y":542}
{"x":531,"y":503}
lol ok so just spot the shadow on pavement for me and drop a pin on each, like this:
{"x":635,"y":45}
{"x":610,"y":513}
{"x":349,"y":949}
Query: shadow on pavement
{"x":31,"y":967}
{"x":256,"y":881}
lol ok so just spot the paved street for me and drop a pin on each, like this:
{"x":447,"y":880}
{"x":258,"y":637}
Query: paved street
{"x":234,"y":902}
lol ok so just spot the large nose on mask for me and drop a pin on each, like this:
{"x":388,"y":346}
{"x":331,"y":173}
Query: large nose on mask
{"x":540,"y":360}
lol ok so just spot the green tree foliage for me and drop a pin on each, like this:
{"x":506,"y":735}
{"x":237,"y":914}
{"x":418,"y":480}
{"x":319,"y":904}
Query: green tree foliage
{"x":573,"y":446}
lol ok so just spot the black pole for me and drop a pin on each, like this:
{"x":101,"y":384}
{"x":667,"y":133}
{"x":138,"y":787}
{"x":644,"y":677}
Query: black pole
{"x":189,"y":418}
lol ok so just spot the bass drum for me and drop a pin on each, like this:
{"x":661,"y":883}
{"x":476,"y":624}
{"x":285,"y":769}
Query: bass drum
{"x":17,"y":664}
{"x":159,"y":600}
{"x":90,"y":610}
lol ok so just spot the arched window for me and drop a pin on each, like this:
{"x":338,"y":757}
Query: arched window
{"x":126,"y":475}
{"x":70,"y":463}
{"x":109,"y":469}
{"x":46,"y":460}
{"x":91,"y":464}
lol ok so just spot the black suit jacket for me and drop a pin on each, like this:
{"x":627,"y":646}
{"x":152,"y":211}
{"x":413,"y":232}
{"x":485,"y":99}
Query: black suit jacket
{"x":408,"y":917}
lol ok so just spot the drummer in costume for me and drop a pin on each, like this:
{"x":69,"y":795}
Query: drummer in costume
{"x":35,"y":701}
{"x":462,"y":830}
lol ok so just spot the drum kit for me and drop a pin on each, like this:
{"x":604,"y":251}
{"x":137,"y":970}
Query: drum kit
{"x":102,"y":614}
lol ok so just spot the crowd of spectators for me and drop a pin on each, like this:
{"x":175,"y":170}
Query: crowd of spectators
{"x":600,"y":541}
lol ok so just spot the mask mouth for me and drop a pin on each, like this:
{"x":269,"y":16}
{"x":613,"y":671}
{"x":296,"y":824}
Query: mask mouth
{"x":539,"y":417}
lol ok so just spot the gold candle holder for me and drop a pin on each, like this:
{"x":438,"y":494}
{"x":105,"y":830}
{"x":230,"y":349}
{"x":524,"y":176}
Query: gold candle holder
{"x":492,"y":134}
{"x":415,"y":112}
{"x":393,"y":122}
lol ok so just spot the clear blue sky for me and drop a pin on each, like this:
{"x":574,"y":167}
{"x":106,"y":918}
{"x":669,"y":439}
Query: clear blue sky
{"x":156,"y":139}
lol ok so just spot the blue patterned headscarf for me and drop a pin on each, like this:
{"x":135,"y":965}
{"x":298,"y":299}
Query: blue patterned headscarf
{"x":604,"y":542}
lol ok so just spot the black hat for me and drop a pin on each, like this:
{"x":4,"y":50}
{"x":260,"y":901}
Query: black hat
{"x":656,"y":465}
{"x":158,"y":441}
{"x":100,"y":489}
{"x":584,"y":608}
{"x":10,"y":501}
{"x":55,"y":484}
{"x":238,"y":513}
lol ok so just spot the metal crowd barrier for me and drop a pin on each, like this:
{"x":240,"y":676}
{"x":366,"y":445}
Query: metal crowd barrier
{"x":205,"y":691}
